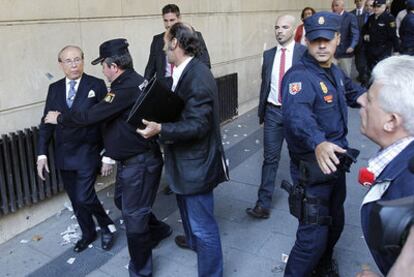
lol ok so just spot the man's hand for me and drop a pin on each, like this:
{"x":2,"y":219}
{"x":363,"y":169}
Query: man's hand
{"x":51,"y":117}
{"x":152,"y":129}
{"x":326,"y":157}
{"x":107,"y":169}
{"x":349,"y":50}
{"x":41,"y":166}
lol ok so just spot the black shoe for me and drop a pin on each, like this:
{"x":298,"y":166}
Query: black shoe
{"x":326,"y":269}
{"x":167,"y":190}
{"x":181,"y":242}
{"x":83,"y":243}
{"x":258,"y":212}
{"x":107,"y":240}
{"x":157,"y":237}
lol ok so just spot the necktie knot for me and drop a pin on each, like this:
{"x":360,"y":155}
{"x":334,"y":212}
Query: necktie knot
{"x":72,"y":84}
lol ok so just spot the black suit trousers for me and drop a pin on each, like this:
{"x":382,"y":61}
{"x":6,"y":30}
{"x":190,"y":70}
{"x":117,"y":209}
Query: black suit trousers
{"x":79,"y":185}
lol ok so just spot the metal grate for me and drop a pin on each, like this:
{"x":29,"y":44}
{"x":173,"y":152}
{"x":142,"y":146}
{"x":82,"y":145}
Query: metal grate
{"x":19,"y":184}
{"x":228,"y":96}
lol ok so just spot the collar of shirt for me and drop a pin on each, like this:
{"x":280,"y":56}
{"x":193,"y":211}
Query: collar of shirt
{"x":380,"y":161}
{"x":289,"y":47}
{"x":178,"y":70}
{"x":67,"y":82}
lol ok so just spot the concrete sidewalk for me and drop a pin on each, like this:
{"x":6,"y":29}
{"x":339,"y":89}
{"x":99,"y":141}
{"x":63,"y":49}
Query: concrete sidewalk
{"x":251,"y":247}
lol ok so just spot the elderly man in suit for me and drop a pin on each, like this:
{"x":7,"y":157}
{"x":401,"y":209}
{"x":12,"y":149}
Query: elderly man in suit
{"x":349,"y":37}
{"x":387,"y":118}
{"x":276,"y":62}
{"x":194,"y":155}
{"x":77,"y":149}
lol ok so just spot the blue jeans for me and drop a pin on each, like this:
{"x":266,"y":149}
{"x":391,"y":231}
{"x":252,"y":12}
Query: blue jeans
{"x":201,"y":232}
{"x":272,"y":145}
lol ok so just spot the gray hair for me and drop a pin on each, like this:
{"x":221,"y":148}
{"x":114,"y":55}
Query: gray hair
{"x":67,"y":47}
{"x":396,"y":75}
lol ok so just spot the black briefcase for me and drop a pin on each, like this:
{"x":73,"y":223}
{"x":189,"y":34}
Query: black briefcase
{"x":155,"y":103}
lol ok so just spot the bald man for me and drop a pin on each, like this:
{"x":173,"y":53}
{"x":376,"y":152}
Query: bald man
{"x":276,"y":62}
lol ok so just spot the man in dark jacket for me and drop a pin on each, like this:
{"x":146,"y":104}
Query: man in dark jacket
{"x":194,"y":155}
{"x":349,"y":37}
{"x":387,"y":119}
{"x":157,"y":61}
{"x":77,"y":150}
{"x":276,"y":62}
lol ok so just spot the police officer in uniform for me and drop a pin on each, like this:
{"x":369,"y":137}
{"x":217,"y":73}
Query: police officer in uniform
{"x":379,"y":35}
{"x":139,"y":160}
{"x":320,"y":91}
{"x":407,"y":30}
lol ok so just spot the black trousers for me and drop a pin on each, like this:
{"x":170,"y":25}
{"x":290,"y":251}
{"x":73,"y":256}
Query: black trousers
{"x":79,"y":185}
{"x":136,"y":186}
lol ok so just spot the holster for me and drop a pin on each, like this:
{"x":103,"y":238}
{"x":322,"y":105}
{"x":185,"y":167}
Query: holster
{"x":305,"y":209}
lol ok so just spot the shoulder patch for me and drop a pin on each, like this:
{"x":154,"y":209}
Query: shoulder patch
{"x":109,"y":97}
{"x":323,"y":87}
{"x":295,"y":88}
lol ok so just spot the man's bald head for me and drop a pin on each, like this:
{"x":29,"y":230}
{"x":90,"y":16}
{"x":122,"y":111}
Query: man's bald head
{"x":285,"y":29}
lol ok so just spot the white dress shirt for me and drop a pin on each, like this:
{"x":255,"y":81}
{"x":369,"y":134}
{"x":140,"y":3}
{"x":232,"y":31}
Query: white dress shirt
{"x":178,"y":71}
{"x":274,"y":83}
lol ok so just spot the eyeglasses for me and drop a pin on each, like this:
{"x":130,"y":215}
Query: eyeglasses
{"x":69,"y":62}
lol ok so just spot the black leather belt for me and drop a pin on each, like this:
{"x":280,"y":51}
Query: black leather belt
{"x":273,"y":105}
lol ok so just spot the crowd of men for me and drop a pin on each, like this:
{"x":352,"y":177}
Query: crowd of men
{"x":304,"y":95}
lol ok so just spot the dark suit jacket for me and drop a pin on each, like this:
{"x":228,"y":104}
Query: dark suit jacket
{"x":268,"y":59}
{"x":75,"y":147}
{"x":361,"y":20}
{"x":194,"y":155}
{"x":349,"y":35}
{"x":157,"y":60}
{"x":401,"y":186}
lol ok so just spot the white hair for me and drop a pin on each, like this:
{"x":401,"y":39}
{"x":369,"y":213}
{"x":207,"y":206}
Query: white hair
{"x":396,"y":76}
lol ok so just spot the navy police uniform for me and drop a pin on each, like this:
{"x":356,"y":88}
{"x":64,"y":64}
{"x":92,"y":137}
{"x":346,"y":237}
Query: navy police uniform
{"x":315,"y":110}
{"x":380,"y":37}
{"x":407,"y":30}
{"x":139,"y":161}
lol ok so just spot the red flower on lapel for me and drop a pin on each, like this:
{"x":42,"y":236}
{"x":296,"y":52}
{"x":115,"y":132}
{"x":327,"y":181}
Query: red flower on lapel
{"x":366,"y":177}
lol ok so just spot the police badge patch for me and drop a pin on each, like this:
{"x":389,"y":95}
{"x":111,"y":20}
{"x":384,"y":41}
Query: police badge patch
{"x":324,"y":88}
{"x":295,"y":88}
{"x":109,"y":97}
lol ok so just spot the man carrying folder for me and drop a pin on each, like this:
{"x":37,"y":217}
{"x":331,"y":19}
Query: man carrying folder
{"x":194,"y":155}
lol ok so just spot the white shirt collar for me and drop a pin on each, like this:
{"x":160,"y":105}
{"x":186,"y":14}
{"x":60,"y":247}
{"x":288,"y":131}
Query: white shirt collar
{"x":178,"y":71}
{"x":289,"y":47}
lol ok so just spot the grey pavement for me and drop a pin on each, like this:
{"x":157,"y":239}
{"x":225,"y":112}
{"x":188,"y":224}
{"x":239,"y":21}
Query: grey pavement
{"x":251,"y":247}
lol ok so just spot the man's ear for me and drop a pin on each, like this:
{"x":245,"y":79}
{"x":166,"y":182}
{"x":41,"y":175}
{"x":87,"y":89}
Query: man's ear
{"x":394,"y":122}
{"x":174,"y":43}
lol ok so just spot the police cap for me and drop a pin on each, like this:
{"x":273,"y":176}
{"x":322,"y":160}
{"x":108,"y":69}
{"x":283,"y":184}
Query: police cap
{"x":110,"y":48}
{"x":322,"y":25}
{"x":410,"y":4}
{"x":379,"y":2}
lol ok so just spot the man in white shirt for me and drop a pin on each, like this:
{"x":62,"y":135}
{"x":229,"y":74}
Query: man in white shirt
{"x":276,"y":62}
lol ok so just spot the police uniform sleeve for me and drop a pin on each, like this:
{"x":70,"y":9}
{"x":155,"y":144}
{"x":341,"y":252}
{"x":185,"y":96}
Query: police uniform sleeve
{"x":352,"y":92}
{"x":110,"y":107}
{"x":298,"y":97}
{"x":196,"y":118}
